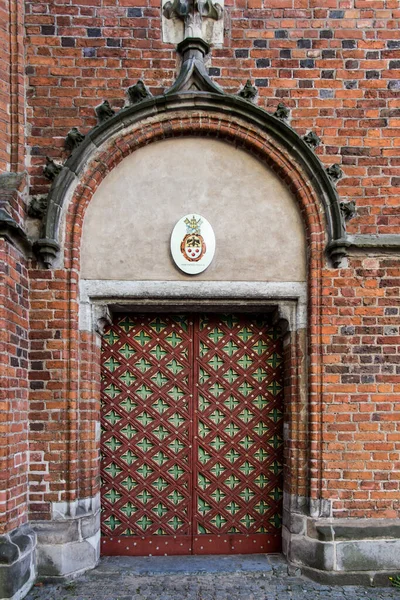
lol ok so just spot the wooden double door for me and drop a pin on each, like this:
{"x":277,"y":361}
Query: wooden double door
{"x":191,"y":435}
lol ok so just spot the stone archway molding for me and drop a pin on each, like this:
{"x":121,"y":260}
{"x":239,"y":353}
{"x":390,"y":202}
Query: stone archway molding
{"x":194,"y":92}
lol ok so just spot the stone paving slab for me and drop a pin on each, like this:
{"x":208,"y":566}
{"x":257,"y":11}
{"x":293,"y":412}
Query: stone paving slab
{"x":256,"y":577}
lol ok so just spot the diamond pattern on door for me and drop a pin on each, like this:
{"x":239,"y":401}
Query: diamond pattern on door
{"x":239,"y":446}
{"x":146,"y":423}
{"x":192,"y":435}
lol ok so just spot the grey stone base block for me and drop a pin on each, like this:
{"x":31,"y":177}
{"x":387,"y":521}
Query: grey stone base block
{"x":17,"y":563}
{"x":69,"y":544}
{"x":344,"y":551}
{"x":363,"y":578}
{"x":65,"y":561}
{"x":312,"y":553}
{"x":368,"y":555}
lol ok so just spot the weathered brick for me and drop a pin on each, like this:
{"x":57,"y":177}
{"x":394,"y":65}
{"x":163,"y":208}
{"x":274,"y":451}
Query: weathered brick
{"x":337,"y":74}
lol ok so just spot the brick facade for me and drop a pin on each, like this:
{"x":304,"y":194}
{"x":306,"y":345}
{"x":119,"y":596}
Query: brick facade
{"x":12,"y":94}
{"x":360,"y":333}
{"x":14,"y":327}
{"x":337,"y":67}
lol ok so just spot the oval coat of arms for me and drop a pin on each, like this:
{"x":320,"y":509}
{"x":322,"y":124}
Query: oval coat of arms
{"x":192,"y":244}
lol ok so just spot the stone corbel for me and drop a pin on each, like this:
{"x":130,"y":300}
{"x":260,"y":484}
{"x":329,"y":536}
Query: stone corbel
{"x":337,"y":250}
{"x":47,"y":249}
{"x":285,"y":317}
{"x":101,"y":318}
{"x":283,"y":326}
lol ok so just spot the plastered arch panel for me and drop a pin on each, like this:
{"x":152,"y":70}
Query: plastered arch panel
{"x":257,"y":224}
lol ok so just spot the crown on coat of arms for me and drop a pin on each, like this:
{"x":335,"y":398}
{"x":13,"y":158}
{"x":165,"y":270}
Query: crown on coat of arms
{"x":193,"y":225}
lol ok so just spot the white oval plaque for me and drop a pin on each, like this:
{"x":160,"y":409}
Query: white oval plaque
{"x":192,"y":244}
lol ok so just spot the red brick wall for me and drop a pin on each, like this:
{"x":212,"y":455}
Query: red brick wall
{"x":12,"y":86}
{"x":89,"y":385}
{"x":64,"y":383}
{"x":361,"y":401}
{"x":337,"y":66}
{"x":14,"y":323}
{"x":70,"y":386}
{"x":351,"y":399}
{"x":5,"y":85}
{"x":335,"y":63}
{"x":354,"y":447}
{"x":17,"y":85}
{"x":296,"y":426}
{"x":52,"y":380}
{"x":12,"y":108}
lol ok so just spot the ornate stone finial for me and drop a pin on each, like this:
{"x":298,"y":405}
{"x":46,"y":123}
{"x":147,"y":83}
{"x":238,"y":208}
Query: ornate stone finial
{"x":282,"y":112}
{"x":51,"y":169}
{"x":248,"y":91}
{"x":104,"y":111}
{"x":73,"y":139}
{"x":312,"y":140}
{"x":210,"y":10}
{"x":334,"y":172}
{"x":138,"y":92}
{"x":180,"y":9}
{"x":348,"y":210}
{"x":195,"y":17}
{"x":37,"y":207}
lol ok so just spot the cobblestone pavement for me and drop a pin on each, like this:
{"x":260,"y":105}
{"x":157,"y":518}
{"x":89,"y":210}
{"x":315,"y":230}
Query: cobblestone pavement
{"x":200,"y":578}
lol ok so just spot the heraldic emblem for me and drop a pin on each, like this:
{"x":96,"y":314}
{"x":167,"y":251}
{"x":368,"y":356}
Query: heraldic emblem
{"x":193,"y":246}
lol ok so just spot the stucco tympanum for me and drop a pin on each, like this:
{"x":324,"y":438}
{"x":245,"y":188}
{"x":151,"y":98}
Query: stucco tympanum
{"x":257,"y":224}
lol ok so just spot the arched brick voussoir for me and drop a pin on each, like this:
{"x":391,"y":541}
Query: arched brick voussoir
{"x":227,"y":118}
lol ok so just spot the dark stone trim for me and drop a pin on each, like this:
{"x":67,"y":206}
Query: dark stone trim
{"x":13,"y":233}
{"x":339,"y":248}
{"x":236,"y":107}
{"x":17,"y":562}
{"x":375,"y":242}
{"x":352,"y":529}
{"x":193,"y":73}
